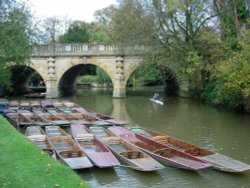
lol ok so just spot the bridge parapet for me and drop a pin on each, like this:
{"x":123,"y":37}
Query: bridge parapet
{"x":89,"y":50}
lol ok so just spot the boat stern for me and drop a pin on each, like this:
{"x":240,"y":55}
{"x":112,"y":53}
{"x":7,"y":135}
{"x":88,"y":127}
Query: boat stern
{"x":78,"y":163}
{"x":103,"y":159}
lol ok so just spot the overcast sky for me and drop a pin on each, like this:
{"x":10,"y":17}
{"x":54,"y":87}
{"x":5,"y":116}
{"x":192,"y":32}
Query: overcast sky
{"x":73,"y":9}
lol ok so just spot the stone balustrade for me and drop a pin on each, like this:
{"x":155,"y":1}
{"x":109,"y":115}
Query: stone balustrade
{"x":88,"y":50}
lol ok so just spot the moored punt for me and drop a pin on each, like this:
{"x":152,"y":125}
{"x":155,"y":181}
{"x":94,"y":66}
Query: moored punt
{"x":97,"y":152}
{"x":127,"y":153}
{"x":61,"y":107}
{"x":66,"y":148}
{"x":3,"y":105}
{"x":24,"y":105}
{"x":88,"y":119}
{"x":219,"y":161}
{"x":70,"y":118}
{"x":103,"y":117}
{"x":85,"y":119}
{"x":38,"y":111}
{"x":70,"y":104}
{"x":49,"y":107}
{"x":14,"y":104}
{"x":35,"y":119}
{"x":52,"y":110}
{"x":66,"y":116}
{"x":35,"y":105}
{"x":91,"y":118}
{"x":58,"y":104}
{"x":160,"y":152}
{"x":17,"y":119}
{"x":38,"y":137}
{"x":47,"y":104}
{"x":35,"y":95}
{"x":53,"y":119}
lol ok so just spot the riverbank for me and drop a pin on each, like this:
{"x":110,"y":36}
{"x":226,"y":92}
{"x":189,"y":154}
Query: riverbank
{"x":24,"y":165}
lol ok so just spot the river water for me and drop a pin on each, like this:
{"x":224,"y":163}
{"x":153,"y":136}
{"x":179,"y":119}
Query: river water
{"x":207,"y":126}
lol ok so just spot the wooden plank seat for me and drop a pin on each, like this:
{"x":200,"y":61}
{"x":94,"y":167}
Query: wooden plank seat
{"x":164,"y":152}
{"x":193,"y":151}
{"x":37,"y":137}
{"x":87,"y":144}
{"x":130,"y":154}
{"x":111,"y":140}
{"x":161,"y":139}
{"x":70,"y":153}
{"x":85,"y":137}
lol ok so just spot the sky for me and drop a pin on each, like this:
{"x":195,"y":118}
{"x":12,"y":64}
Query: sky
{"x":72,"y":9}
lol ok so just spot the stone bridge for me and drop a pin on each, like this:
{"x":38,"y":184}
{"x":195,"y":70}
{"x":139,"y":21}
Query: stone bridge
{"x":60,"y":64}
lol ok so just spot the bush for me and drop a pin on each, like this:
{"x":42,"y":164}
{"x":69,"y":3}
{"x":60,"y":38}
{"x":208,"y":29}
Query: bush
{"x":229,"y":84}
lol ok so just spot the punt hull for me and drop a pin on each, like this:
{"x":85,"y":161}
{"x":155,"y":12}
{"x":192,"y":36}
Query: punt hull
{"x":66,"y":149}
{"x":127,"y":153}
{"x":163,"y":154}
{"x":96,"y":151}
{"x":219,"y":161}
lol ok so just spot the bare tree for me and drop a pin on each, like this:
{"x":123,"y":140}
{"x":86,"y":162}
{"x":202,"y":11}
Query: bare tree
{"x":52,"y":28}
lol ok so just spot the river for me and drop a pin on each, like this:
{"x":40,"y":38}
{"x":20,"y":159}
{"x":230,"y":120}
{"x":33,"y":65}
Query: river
{"x":215,"y":129}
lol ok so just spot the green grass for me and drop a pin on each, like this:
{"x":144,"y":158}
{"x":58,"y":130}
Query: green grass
{"x":22,"y":165}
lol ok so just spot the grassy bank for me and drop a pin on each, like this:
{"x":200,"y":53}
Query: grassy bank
{"x":22,"y":165}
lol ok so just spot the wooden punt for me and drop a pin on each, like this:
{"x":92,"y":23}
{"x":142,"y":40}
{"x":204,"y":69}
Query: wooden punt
{"x":87,"y":120}
{"x":38,"y":137}
{"x":35,"y":95}
{"x":66,"y":148}
{"x":47,"y":104}
{"x":91,"y":117}
{"x":4,"y":103}
{"x":70,"y":118}
{"x":66,"y":116}
{"x":109,"y":119}
{"x":38,"y":111}
{"x":17,"y":119}
{"x":70,"y":104}
{"x":162,"y":153}
{"x":58,"y":104}
{"x":13,"y":103}
{"x":97,"y":152}
{"x":84,"y":118}
{"x":52,"y":110}
{"x":128,"y":154}
{"x":219,"y":161}
{"x":24,"y":105}
{"x":35,"y":105}
{"x":61,"y":107}
{"x":54,"y":119}
{"x":35,"y":119}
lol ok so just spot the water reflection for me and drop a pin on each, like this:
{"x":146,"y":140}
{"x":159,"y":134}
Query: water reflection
{"x":109,"y":176}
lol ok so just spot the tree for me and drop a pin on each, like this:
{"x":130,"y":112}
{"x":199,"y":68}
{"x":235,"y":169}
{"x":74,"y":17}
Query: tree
{"x":128,"y":23}
{"x":233,"y":17}
{"x":15,"y":24}
{"x":82,"y":32}
{"x":181,"y":27}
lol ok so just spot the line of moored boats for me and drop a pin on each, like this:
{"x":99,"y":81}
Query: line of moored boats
{"x":103,"y":141}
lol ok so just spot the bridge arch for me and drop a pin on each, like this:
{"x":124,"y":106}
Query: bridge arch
{"x":174,"y":82}
{"x":22,"y":74}
{"x":39,"y":68}
{"x":73,"y":67}
{"x":63,"y":65}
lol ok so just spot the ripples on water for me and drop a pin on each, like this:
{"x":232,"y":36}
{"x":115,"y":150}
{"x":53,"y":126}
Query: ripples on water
{"x":215,"y":129}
